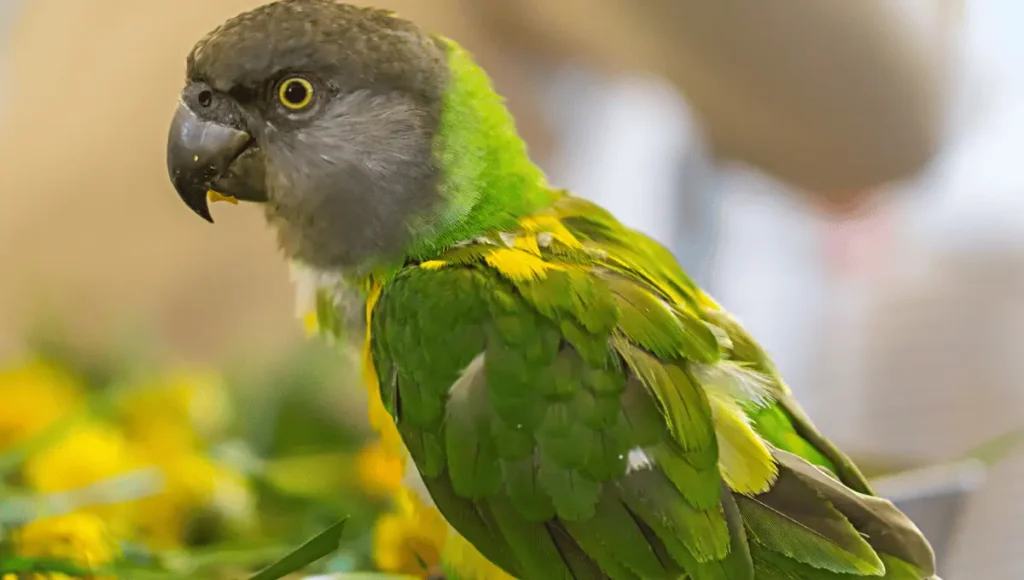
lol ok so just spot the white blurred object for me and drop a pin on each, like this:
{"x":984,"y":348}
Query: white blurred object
{"x":939,"y":341}
{"x":630,"y":145}
{"x":935,"y":498}
{"x":620,"y":143}
{"x":767,"y":272}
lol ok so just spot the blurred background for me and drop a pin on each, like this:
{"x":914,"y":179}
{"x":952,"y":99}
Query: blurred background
{"x":844,"y":176}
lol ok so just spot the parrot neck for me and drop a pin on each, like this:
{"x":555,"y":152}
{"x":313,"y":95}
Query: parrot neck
{"x":487,"y":179}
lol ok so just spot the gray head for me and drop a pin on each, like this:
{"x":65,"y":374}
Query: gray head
{"x":324,"y":112}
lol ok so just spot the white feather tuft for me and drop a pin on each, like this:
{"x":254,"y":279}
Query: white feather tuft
{"x":638,"y":460}
{"x":306,"y":284}
{"x":733,"y":381}
{"x":461,"y":386}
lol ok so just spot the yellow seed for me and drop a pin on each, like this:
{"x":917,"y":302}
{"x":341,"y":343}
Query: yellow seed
{"x":214,"y":197}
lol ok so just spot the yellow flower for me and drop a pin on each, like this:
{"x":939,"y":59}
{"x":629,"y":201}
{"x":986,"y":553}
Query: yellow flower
{"x":34,"y":395}
{"x":409,"y":540}
{"x":310,"y":323}
{"x":86,"y":455}
{"x":174,"y":414}
{"x":167,"y":423}
{"x":380,"y":470}
{"x":78,"y":537}
{"x":192,"y":483}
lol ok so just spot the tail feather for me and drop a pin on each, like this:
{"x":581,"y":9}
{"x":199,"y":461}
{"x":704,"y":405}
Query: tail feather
{"x":885,"y":528}
{"x":810,"y":526}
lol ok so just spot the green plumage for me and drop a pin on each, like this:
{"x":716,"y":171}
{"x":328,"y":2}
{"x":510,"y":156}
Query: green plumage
{"x":596,"y":451}
{"x":579,"y":409}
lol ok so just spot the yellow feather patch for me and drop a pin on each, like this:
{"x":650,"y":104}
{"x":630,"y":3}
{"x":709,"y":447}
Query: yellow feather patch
{"x":380,"y":420}
{"x":550,"y":224}
{"x":527,"y":243}
{"x":707,"y":302}
{"x":433,"y":264}
{"x":746,"y":463}
{"x":518,"y":265}
{"x":463,"y":558}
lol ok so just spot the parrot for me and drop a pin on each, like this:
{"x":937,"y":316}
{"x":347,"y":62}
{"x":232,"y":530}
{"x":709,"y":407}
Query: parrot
{"x":575,"y":406}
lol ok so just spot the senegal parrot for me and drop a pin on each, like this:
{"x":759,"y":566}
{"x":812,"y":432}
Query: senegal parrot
{"x":575,"y":406}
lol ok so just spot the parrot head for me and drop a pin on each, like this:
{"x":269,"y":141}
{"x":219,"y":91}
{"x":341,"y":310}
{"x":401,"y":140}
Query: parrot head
{"x":323,"y":112}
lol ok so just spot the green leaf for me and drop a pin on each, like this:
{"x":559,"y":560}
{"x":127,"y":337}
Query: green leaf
{"x":23,"y":565}
{"x":320,"y":546}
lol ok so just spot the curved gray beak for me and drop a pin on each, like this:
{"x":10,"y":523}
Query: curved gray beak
{"x":199,"y":152}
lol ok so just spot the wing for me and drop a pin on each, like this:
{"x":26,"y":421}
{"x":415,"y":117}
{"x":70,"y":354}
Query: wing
{"x":578,"y":409}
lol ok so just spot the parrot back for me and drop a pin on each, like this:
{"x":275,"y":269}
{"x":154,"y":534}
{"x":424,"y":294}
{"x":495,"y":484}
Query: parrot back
{"x":579,"y":409}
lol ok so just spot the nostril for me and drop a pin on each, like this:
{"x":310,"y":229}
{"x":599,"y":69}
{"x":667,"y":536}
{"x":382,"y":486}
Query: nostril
{"x":205,"y":98}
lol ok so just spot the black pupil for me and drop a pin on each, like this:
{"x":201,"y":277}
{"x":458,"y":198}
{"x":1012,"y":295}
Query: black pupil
{"x":205,"y":98}
{"x":295,"y":93}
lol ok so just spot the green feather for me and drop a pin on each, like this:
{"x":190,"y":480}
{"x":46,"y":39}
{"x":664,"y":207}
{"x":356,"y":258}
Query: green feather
{"x":473,"y":521}
{"x":599,"y":412}
{"x":530,"y":542}
{"x":522,"y":482}
{"x":471,"y":450}
{"x":695,"y":475}
{"x":589,"y":541}
{"x":641,"y":415}
{"x":592,"y":347}
{"x":581,"y":564}
{"x":896,"y":569}
{"x":564,"y":379}
{"x":478,"y":151}
{"x":614,"y":534}
{"x":513,"y":441}
{"x":884,"y":527}
{"x":607,"y":459}
{"x":682,"y":402}
{"x":574,"y":495}
{"x":570,"y":443}
{"x":769,"y":565}
{"x":426,"y":448}
{"x":689,"y":534}
{"x":802,"y":425}
{"x":654,"y":325}
{"x":738,"y":564}
{"x":794,"y":520}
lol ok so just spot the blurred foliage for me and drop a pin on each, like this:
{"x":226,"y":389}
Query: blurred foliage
{"x":116,"y":465}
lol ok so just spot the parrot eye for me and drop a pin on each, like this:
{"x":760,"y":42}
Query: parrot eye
{"x":295,"y":93}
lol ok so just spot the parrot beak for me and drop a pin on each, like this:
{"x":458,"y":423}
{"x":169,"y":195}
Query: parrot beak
{"x":204,"y":155}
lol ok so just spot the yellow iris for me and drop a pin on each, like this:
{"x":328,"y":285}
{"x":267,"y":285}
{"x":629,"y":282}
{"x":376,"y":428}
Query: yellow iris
{"x":295,"y":93}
